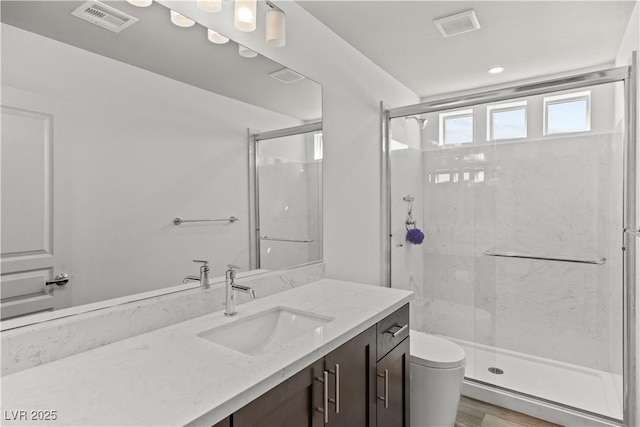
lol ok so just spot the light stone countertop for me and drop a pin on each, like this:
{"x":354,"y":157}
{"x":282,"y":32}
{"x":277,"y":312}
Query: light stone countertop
{"x":172,"y":377}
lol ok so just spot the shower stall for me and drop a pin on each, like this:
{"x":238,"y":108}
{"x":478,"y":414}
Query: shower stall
{"x":523,"y":195}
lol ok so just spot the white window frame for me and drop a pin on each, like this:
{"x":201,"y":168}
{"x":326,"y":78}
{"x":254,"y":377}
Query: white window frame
{"x":443,"y":117}
{"x":561,"y":99}
{"x":511,"y":106}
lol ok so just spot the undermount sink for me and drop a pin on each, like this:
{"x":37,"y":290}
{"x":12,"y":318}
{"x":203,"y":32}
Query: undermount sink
{"x":266,"y":330}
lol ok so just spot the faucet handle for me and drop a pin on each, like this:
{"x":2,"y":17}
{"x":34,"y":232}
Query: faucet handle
{"x":204,"y":266}
{"x":234,"y":267}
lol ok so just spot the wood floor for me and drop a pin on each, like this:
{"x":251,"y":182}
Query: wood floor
{"x":473,"y":413}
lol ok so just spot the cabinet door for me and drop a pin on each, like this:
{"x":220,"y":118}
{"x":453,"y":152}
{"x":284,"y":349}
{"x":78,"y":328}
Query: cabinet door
{"x":393,"y":387}
{"x":352,"y":372}
{"x":224,"y":423}
{"x":290,"y":404}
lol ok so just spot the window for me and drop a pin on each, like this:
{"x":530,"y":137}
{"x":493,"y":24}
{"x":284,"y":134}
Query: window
{"x":507,"y":121}
{"x":567,"y":113}
{"x":456,"y":127}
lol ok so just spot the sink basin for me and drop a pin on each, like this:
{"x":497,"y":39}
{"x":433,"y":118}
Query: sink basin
{"x":266,"y":330}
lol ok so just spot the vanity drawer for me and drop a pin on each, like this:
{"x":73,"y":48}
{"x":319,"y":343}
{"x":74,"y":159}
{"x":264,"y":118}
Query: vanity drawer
{"x":392,"y":330}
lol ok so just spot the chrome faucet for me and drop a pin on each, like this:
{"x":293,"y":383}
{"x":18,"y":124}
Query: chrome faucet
{"x":230,"y":290}
{"x":204,"y":275}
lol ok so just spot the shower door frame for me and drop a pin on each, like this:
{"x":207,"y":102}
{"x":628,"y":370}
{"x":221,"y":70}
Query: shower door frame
{"x":625,"y":74}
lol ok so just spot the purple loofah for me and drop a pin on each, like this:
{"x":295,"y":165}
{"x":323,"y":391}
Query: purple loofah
{"x":415,"y":236}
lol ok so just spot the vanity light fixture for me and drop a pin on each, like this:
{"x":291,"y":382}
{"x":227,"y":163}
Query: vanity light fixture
{"x":244,"y":16}
{"x":181,"y":20}
{"x":275,"y":27}
{"x":245,"y":52}
{"x":216,"y":37}
{"x":495,"y":70}
{"x":210,"y":6}
{"x":244,"y":19}
{"x":140,"y":3}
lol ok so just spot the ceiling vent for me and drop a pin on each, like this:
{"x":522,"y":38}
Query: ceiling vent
{"x":459,"y":23}
{"x":104,"y":16}
{"x":287,"y":76}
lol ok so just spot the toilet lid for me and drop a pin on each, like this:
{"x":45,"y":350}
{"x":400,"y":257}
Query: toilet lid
{"x":435,"y":352}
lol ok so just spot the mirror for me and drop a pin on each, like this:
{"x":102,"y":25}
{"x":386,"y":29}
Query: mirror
{"x":108,"y":137}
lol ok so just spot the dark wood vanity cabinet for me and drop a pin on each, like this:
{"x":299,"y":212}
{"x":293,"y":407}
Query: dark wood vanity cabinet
{"x":393,"y":387}
{"x":393,"y":370}
{"x":290,"y":404}
{"x":347,"y":399}
{"x":352,"y":370}
{"x":224,"y":423}
{"x":345,"y":388}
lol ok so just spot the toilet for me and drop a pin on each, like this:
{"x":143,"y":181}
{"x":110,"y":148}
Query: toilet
{"x":437,"y":370}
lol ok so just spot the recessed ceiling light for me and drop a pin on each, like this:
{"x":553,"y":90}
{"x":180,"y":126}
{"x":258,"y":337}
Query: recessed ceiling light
{"x":496,"y":70}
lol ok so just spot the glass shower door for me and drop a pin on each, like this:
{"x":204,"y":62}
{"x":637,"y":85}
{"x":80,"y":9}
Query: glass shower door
{"x":549,"y":263}
{"x":289,"y":187}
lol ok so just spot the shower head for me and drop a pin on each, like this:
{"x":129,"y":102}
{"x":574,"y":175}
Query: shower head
{"x":421,"y":122}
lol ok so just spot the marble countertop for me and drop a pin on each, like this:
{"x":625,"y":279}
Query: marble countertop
{"x":173,"y":377}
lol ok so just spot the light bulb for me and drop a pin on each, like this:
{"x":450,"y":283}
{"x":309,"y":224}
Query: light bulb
{"x":496,"y":70}
{"x":181,"y":20}
{"x":245,"y":52}
{"x":211,"y":6}
{"x":140,"y":3}
{"x":216,"y":37}
{"x":275,"y":33}
{"x":244,"y":18}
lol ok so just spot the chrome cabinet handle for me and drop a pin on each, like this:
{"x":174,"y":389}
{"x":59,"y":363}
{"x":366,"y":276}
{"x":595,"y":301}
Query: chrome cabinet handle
{"x":398,"y":332}
{"x":60,"y":280}
{"x":385,"y":398}
{"x":337,"y":399}
{"x":325,"y":396}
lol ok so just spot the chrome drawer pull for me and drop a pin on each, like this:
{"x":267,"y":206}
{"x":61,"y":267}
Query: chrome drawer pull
{"x":385,"y":398}
{"x":397,"y":332}
{"x":325,"y":396}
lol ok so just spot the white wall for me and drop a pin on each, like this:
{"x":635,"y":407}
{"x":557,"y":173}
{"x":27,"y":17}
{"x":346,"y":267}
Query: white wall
{"x":352,"y":86}
{"x":144,"y":149}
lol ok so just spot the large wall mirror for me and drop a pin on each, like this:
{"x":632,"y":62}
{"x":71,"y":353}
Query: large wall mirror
{"x":108,"y":137}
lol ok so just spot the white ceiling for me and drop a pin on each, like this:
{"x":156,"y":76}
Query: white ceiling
{"x":528,"y":38}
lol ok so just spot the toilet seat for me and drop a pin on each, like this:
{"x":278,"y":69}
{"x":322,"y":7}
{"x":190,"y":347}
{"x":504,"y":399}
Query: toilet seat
{"x":435,"y":352}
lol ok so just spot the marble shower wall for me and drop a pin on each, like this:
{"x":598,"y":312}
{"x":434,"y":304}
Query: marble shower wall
{"x":546,"y":197}
{"x":406,"y":169}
